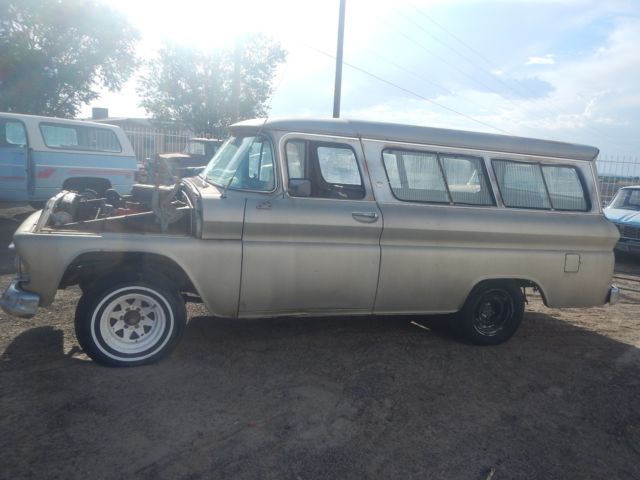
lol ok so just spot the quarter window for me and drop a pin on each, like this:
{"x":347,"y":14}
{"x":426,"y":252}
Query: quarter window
{"x":531,"y":185}
{"x":565,"y":188}
{"x":79,"y":137}
{"x":440,"y":178}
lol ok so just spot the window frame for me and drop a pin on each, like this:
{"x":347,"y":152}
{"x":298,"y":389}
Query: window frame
{"x":24,"y":126}
{"x":541,"y":165}
{"x":323,"y":141}
{"x":438,"y":155}
{"x":78,"y":148}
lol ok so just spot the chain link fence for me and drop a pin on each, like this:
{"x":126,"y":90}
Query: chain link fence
{"x":615,"y":171}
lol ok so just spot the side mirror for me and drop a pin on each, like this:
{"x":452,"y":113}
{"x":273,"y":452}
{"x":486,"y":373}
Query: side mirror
{"x":300,"y":187}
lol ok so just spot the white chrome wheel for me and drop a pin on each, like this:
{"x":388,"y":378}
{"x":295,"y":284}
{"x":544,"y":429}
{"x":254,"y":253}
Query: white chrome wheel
{"x":132,"y":323}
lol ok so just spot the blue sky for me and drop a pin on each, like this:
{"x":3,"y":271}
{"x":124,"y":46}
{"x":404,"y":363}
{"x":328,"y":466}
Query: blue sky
{"x":565,"y":69}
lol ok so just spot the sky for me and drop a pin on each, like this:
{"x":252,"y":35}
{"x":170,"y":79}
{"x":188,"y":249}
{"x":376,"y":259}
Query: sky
{"x":557,"y":69}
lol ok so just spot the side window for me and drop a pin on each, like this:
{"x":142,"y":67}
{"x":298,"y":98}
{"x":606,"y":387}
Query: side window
{"x":415,"y":176}
{"x":521,"y":184}
{"x":339,"y":166}
{"x":565,"y":188}
{"x":441,"y":178}
{"x":466,"y":180}
{"x":330,"y":169}
{"x":79,"y":137}
{"x":261,"y":164}
{"x":297,"y":158}
{"x":12,"y":134}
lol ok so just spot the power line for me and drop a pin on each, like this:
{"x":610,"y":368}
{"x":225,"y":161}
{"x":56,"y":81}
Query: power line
{"x":553,"y":113}
{"x":420,"y":77}
{"x":406,"y":90}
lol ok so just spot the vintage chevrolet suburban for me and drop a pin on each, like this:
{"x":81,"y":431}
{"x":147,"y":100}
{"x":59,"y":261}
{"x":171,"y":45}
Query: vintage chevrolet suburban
{"x":326,"y":217}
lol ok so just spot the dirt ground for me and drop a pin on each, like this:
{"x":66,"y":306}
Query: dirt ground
{"x":345,"y":398}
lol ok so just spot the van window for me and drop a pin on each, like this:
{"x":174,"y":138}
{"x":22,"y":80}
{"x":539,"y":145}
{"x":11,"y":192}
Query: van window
{"x":415,"y":176}
{"x":339,"y":166}
{"x":531,"y":185}
{"x":296,"y":158}
{"x":565,"y":188}
{"x":12,"y":133}
{"x":79,"y":137}
{"x":441,"y":178}
{"x":331,"y":168}
{"x":466,"y":180}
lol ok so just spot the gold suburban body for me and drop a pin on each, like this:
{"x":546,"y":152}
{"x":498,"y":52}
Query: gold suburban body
{"x":271,"y":253}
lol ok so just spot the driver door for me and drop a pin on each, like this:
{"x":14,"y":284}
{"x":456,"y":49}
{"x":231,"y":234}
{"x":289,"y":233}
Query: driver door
{"x":317,"y":250}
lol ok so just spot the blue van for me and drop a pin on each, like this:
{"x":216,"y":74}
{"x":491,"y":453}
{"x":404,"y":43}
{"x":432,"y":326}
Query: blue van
{"x":39,"y":156}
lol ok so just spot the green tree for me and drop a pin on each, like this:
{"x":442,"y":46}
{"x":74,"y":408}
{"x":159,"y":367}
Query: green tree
{"x":209,"y":90}
{"x":55,"y":55}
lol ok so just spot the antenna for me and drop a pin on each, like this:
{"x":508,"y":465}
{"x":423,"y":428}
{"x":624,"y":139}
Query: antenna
{"x":338,"y":84}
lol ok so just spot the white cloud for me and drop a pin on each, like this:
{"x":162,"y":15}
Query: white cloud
{"x":546,"y":60}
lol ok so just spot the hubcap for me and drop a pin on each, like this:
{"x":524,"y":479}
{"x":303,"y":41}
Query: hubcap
{"x":493,"y":311}
{"x":132,"y":322}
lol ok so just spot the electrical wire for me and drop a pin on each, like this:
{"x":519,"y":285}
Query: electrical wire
{"x":406,"y":90}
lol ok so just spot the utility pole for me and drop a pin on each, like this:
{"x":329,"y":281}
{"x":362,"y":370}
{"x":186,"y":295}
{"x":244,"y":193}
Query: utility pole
{"x":235,"y":88}
{"x":338,"y":83}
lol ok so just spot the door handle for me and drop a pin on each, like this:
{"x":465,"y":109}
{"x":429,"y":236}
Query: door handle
{"x":365,"y":217}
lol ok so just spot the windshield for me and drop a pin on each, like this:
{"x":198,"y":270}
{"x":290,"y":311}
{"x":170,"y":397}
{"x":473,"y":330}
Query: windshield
{"x":194,"y":148}
{"x":627,"y":199}
{"x":243,"y":163}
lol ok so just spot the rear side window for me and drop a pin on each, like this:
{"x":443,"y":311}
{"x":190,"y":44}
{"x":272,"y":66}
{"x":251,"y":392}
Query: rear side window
{"x":546,"y":187}
{"x":565,"y":188}
{"x":79,"y":137}
{"x":441,"y":178}
{"x":521,"y":184}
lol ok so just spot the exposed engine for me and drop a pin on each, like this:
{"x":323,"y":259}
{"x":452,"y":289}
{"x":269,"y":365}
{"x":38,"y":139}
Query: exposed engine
{"x":148,"y":208}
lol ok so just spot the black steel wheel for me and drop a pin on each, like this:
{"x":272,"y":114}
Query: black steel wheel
{"x":492,"y":313}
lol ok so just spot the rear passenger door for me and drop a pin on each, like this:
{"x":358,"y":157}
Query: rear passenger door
{"x":315,"y":248}
{"x":437,"y":207}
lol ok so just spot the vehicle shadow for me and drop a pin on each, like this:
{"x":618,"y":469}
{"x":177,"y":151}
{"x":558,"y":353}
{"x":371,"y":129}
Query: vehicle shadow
{"x":361,"y":397}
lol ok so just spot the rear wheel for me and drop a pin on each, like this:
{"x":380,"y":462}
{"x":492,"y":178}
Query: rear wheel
{"x":129,"y":319}
{"x":492,"y":313}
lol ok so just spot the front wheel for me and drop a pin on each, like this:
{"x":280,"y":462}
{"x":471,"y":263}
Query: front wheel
{"x":129,"y":319}
{"x":492,"y":313}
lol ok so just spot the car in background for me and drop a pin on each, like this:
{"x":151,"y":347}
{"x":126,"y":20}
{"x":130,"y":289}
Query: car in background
{"x":624,"y":212}
{"x":39,"y":156}
{"x":192,"y":159}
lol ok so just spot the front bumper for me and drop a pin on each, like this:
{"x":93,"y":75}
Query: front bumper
{"x":18,"y":302}
{"x":614,"y":295}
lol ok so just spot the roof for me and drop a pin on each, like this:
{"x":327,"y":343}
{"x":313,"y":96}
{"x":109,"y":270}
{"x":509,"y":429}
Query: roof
{"x":423,"y":135}
{"x":53,"y":119}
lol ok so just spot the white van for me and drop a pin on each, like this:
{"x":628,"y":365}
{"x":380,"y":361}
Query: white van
{"x":39,"y":156}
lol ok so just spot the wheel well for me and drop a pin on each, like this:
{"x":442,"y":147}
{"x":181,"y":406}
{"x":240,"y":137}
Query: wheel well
{"x":89,"y":266}
{"x":81,"y":183}
{"x":519,"y":282}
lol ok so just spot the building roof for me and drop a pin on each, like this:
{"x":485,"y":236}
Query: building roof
{"x":423,"y":135}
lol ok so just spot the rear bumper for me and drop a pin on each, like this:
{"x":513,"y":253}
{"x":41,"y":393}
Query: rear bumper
{"x":614,"y":295}
{"x":18,"y":302}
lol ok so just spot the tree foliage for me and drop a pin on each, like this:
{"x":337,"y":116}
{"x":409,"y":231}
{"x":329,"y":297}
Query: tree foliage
{"x":197,"y":88}
{"x":56,"y":54}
